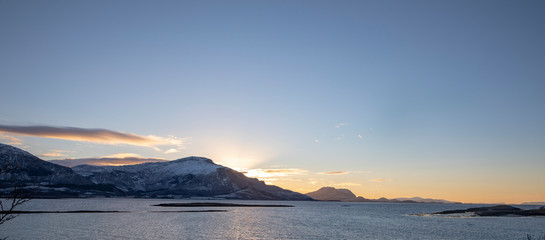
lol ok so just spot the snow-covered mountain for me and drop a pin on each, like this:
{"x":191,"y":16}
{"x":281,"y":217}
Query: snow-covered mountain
{"x":28,"y":168}
{"x":26,"y":171}
{"x":192,"y":176}
{"x":186,"y":177}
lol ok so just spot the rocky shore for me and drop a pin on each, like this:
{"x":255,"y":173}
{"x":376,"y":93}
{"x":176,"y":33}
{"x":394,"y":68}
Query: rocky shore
{"x":499,"y":210}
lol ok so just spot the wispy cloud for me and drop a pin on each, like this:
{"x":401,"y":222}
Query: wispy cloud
{"x":360,"y":136}
{"x":340,"y":125}
{"x":102,"y":136}
{"x":335,"y":173}
{"x":283,"y":171}
{"x":107,"y":161}
{"x":270,"y":175}
{"x":11,"y":140}
{"x":56,"y":153}
{"x":123,"y":155}
{"x":377,"y":180}
{"x":172,"y":150}
{"x":346,"y":184}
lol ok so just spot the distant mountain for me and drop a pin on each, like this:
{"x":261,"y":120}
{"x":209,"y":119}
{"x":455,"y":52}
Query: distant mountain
{"x":332,"y":194}
{"x":28,"y":173}
{"x":533,"y":203}
{"x":424,"y":200}
{"x":345,"y":195}
{"x":187,"y":177}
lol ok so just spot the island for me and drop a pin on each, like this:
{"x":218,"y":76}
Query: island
{"x":216,"y":204}
{"x":495,"y":211}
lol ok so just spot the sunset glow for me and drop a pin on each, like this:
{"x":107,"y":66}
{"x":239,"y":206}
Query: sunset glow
{"x":437,"y":99}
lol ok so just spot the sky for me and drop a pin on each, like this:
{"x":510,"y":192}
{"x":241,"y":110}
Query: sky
{"x":439,"y":99}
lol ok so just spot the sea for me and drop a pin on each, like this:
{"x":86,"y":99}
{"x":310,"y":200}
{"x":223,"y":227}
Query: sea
{"x":139,"y":219}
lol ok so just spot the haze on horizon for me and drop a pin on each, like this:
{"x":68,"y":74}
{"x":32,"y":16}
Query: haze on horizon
{"x":386,"y":98}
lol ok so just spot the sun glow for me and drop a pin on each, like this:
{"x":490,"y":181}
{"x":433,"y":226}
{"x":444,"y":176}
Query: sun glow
{"x":271,"y":175}
{"x":239,"y":163}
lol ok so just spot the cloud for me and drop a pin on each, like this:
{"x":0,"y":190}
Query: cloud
{"x":340,"y":125}
{"x":11,"y":140}
{"x":172,"y":150}
{"x":346,"y":184}
{"x":284,"y":171}
{"x":335,"y":173}
{"x":377,"y":180}
{"x":273,"y":173}
{"x":102,"y":136}
{"x":360,"y":136}
{"x":54,"y":154}
{"x":106,"y":161}
{"x":123,"y":155}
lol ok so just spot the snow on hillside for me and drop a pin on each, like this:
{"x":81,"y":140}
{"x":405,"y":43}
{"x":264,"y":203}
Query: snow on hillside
{"x":7,"y":149}
{"x":189,"y":165}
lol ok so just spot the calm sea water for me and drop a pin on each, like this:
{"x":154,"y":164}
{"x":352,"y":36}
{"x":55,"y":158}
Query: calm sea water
{"x":307,"y":220}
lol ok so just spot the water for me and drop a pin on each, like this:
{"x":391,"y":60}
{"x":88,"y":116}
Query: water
{"x":307,"y":220}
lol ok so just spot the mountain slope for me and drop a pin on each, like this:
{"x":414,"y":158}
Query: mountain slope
{"x":187,"y":177}
{"x":192,"y":176}
{"x":25,"y":170}
{"x":23,"y":166}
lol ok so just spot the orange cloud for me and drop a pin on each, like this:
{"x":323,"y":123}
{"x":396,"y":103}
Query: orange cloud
{"x":106,"y":161}
{"x":347,"y":184}
{"x":11,"y":140}
{"x":123,"y":155}
{"x":270,"y":174}
{"x":283,"y":171}
{"x":54,"y":154}
{"x":377,"y":180}
{"x":335,"y":173}
{"x":102,"y":136}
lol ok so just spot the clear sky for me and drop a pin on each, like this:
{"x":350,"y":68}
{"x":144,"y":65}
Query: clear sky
{"x":442,"y":99}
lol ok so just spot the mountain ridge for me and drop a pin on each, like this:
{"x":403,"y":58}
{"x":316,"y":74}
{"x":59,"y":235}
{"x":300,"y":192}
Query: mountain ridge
{"x":181,"y":178}
{"x":345,"y":195}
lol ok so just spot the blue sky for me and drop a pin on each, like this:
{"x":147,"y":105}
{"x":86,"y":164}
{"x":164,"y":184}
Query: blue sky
{"x":411,"y":93}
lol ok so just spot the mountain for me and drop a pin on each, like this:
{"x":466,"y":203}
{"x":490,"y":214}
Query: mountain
{"x":31,"y":173}
{"x":533,"y":203}
{"x":345,"y":195}
{"x":186,"y":177}
{"x":425,"y":200}
{"x":332,"y":194}
{"x":192,"y":176}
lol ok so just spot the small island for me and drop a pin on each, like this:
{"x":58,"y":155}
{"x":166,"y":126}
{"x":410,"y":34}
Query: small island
{"x":217,"y":204}
{"x":496,"y":211}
